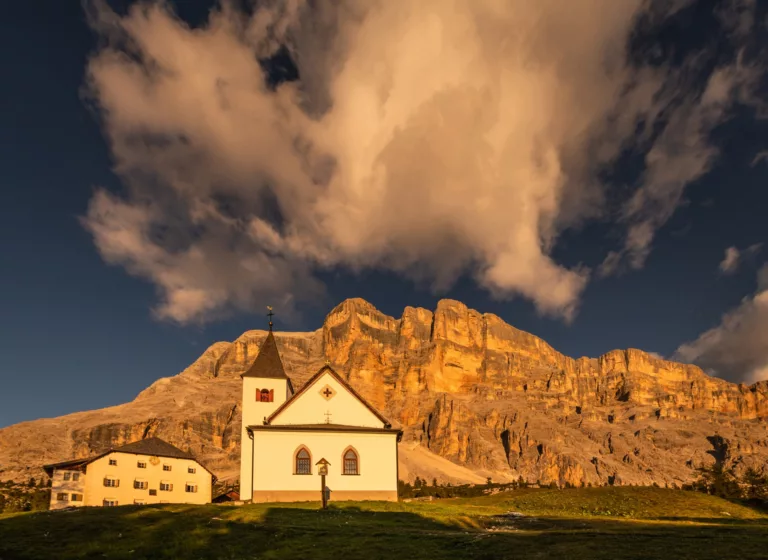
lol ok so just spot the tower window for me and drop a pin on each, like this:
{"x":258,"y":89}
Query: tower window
{"x":265,"y":395}
{"x":303,"y":462}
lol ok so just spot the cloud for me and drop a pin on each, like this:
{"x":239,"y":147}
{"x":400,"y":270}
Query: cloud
{"x":760,"y":156}
{"x":681,"y":154}
{"x":736,"y":349}
{"x":730,"y":263}
{"x":734,"y":257}
{"x":442,"y":139}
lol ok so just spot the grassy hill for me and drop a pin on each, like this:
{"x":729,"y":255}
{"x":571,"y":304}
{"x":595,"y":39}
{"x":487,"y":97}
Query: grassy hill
{"x":593,"y":523}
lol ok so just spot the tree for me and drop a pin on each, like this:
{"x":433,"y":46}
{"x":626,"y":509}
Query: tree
{"x":756,"y":485}
{"x":488,"y":481}
{"x":434,"y":482}
{"x":718,"y":481}
{"x":32,"y":482}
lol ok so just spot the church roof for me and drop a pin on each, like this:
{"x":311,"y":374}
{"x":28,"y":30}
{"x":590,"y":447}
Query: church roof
{"x":267,"y":363}
{"x":328,"y":369}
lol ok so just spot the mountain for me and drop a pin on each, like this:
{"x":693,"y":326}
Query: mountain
{"x":475,"y":397}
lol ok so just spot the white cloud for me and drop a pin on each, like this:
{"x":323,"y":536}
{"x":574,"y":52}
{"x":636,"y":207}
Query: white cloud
{"x":730,"y":262}
{"x":733,"y":257}
{"x":434,"y":140}
{"x":736,"y":349}
{"x":681,"y":154}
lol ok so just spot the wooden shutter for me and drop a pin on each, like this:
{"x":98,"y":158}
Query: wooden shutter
{"x":117,"y":483}
{"x":271,"y":395}
{"x":258,"y":395}
{"x":170,"y":487}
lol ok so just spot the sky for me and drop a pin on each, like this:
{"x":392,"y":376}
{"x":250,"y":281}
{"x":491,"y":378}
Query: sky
{"x":593,"y":172}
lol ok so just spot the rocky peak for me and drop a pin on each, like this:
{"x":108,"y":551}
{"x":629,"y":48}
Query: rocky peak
{"x":469,"y":390}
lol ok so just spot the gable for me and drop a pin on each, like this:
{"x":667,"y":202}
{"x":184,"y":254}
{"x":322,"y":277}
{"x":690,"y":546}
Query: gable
{"x":327,"y":399}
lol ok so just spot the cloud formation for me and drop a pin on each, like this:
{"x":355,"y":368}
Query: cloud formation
{"x":733,"y":257}
{"x":736,"y":349}
{"x":437,"y":139}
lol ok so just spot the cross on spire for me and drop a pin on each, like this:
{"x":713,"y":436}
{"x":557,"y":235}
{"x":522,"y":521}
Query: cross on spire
{"x":270,"y":314}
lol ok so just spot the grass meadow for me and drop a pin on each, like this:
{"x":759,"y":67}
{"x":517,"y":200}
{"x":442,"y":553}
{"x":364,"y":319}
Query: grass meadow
{"x":594,"y":523}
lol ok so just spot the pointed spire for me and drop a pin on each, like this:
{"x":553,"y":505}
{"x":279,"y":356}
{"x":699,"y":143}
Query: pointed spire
{"x":268,"y":363}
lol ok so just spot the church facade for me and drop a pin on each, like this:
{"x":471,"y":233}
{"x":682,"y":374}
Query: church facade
{"x":288,"y":433}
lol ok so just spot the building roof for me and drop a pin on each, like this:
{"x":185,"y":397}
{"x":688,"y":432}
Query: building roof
{"x":229,"y":496}
{"x":154,"y":446}
{"x":72,"y":464}
{"x":150,"y":446}
{"x":267,"y":363}
{"x":328,"y":369}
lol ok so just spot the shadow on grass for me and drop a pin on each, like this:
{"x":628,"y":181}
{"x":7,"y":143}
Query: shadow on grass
{"x":347,"y":531}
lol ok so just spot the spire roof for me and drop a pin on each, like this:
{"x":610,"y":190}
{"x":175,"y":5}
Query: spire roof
{"x":268,"y":363}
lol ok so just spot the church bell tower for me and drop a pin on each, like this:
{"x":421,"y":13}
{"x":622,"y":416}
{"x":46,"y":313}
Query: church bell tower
{"x":265,"y":388}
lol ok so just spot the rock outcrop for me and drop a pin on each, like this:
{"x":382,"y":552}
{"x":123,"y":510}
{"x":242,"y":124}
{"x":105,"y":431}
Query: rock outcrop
{"x":469,"y":390}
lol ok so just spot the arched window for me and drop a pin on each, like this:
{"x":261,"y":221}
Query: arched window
{"x":303,"y":461}
{"x":351,"y":462}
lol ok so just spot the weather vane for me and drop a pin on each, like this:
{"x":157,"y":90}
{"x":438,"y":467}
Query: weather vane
{"x":270,"y":314}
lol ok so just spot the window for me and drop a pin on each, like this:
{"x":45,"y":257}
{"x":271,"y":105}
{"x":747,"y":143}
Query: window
{"x":77,"y":497}
{"x":166,"y":487}
{"x":61,"y":497}
{"x":166,"y":467}
{"x":67,"y":476}
{"x":303,"y":462}
{"x":190,"y":487}
{"x":191,"y":470}
{"x":265,"y":395}
{"x":75,"y":476}
{"x":113,"y":462}
{"x":350,"y":462}
{"x":110,"y":502}
{"x":141,"y":464}
{"x":153,"y":492}
{"x":111,"y":482}
{"x":139,"y":502}
{"x":140,"y":484}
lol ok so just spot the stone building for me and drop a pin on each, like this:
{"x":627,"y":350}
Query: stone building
{"x":286,"y":434}
{"x":149,"y":471}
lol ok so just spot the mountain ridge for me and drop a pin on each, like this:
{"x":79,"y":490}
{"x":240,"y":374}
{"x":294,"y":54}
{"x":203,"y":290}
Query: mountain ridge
{"x":468,"y":389}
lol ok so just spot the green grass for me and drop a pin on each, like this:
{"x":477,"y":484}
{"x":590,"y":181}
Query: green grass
{"x":593,"y":523}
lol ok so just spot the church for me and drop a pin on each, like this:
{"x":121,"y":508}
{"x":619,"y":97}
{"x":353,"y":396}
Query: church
{"x":287,"y":435}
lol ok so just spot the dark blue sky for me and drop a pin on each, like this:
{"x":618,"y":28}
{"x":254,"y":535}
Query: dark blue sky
{"x":77,"y":334}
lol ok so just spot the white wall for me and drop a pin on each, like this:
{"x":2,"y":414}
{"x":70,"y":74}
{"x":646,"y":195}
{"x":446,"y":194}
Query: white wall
{"x":310,"y":407}
{"x":253,"y":413}
{"x":68,"y":487}
{"x":377,"y":453}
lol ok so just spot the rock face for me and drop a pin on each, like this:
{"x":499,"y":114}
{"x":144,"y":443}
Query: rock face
{"x":475,"y":396}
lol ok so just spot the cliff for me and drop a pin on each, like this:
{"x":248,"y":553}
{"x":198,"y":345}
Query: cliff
{"x":475,"y":396}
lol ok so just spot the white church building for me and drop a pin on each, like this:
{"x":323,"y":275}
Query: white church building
{"x":287,"y":434}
